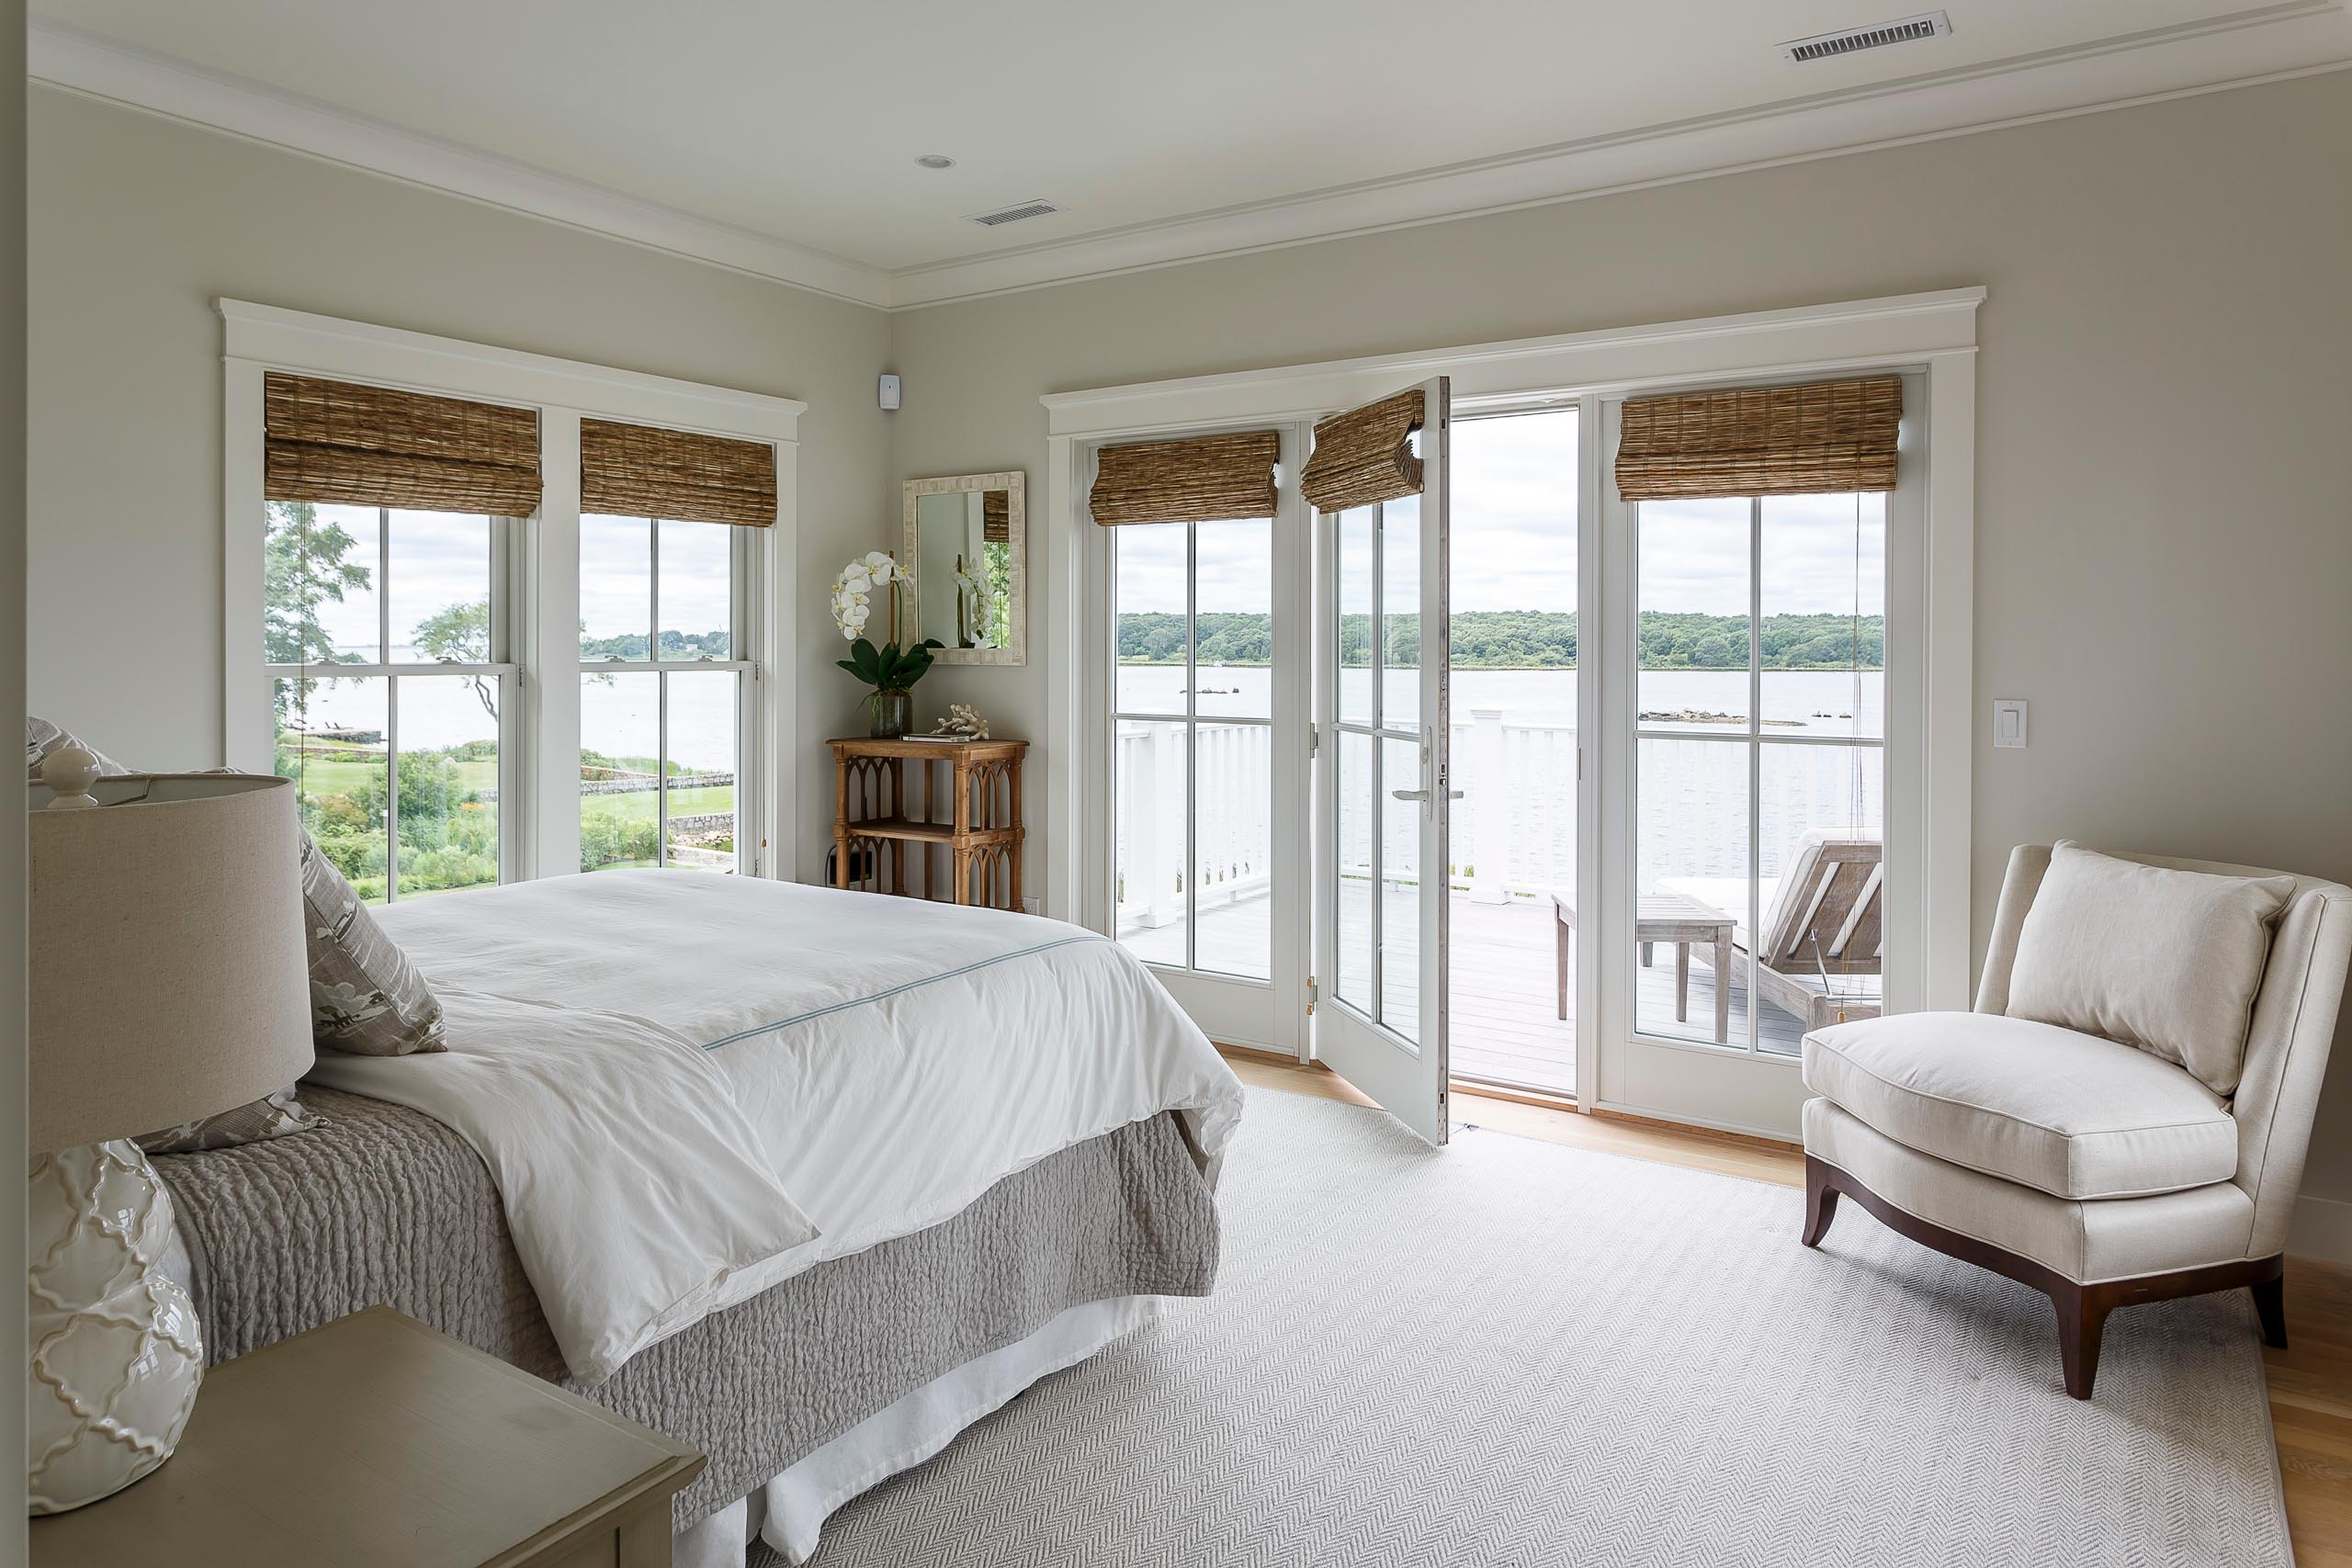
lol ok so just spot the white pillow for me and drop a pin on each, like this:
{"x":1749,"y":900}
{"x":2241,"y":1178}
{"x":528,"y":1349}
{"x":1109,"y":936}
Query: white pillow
{"x":2165,"y":960}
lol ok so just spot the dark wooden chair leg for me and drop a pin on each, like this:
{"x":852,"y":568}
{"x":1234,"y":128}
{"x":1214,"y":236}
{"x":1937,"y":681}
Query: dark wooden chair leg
{"x":2270,"y":1305}
{"x":1820,"y":1201}
{"x":2082,"y":1318}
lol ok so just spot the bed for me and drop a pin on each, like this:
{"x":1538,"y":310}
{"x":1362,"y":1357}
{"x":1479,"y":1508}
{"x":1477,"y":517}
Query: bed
{"x":812,"y":1179}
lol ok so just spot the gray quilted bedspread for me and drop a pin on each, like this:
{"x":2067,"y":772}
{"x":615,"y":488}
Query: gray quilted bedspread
{"x":385,"y":1204}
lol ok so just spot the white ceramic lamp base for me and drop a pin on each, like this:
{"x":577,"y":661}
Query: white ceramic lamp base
{"x":116,"y":1351}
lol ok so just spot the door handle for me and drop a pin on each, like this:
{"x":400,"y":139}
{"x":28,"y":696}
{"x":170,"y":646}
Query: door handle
{"x":1423,"y":795}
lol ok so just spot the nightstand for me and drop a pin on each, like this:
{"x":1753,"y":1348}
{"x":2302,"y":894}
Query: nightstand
{"x":374,"y":1441}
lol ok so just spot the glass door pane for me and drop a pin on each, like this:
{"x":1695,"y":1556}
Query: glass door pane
{"x":1758,"y":767}
{"x":1192,"y":737}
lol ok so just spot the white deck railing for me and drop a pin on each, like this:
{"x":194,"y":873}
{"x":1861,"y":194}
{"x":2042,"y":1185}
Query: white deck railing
{"x":1514,"y":829}
{"x":1233,"y":825}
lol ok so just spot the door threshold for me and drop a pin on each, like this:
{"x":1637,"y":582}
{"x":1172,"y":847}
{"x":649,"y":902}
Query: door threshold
{"x":1518,"y":1094}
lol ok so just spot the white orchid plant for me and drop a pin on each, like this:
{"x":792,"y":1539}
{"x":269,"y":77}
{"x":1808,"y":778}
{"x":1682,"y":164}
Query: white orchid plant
{"x":887,"y":667}
{"x":972,"y":587}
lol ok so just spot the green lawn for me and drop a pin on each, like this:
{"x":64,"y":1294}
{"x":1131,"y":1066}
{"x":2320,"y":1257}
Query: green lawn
{"x":639,"y":807}
{"x":341,"y":775}
{"x":325,"y":776}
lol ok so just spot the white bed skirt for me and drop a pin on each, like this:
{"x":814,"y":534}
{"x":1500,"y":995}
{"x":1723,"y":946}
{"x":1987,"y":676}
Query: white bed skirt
{"x":788,"y":1512}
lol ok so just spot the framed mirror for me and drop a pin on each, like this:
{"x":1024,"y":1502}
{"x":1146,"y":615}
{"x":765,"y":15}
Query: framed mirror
{"x":968,"y":583}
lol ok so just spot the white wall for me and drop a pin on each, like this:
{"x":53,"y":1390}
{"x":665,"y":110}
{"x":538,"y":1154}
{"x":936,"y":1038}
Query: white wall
{"x":2165,"y":461}
{"x":138,"y":224}
{"x":12,"y":687}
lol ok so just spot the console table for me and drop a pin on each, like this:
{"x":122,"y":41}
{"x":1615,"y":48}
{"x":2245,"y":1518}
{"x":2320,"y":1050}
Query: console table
{"x":976,"y":821}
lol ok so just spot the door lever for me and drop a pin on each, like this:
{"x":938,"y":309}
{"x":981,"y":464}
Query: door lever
{"x":1423,"y":795}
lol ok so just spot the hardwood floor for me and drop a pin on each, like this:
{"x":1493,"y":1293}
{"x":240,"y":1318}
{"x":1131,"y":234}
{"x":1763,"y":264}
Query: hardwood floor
{"x":2311,"y":1382}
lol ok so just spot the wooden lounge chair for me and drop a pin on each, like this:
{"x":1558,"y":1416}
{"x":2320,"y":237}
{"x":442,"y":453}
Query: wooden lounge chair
{"x":1823,"y":919}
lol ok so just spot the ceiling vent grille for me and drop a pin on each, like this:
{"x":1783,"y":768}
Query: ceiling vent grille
{"x":1853,"y":40}
{"x":1014,"y":214}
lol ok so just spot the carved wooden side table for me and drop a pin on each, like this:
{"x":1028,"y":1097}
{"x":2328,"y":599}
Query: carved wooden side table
{"x":978,"y":824}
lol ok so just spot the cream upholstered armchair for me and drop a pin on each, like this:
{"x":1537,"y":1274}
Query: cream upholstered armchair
{"x":2099,"y":1173}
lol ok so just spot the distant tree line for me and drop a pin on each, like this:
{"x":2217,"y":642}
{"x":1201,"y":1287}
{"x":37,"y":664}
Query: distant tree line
{"x":675,"y":645}
{"x":1530,"y":639}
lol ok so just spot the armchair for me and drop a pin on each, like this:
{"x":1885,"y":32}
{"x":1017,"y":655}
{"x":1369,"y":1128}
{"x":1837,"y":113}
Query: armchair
{"x":2095,"y":1173}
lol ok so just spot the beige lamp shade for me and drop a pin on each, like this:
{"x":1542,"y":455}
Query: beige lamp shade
{"x":168,"y":977}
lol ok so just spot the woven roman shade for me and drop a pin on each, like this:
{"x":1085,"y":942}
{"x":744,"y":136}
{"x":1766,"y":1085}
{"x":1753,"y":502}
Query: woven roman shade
{"x":1203,"y":479}
{"x":996,"y":517}
{"x":1826,"y":437}
{"x":636,"y":470}
{"x":1365,"y":455}
{"x":354,"y":446}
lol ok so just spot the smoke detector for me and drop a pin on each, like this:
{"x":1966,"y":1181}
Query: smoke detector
{"x":1014,"y":214}
{"x":1853,"y":40}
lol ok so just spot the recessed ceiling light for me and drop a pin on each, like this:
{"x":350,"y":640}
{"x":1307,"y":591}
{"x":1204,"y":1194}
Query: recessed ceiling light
{"x":936,"y":160}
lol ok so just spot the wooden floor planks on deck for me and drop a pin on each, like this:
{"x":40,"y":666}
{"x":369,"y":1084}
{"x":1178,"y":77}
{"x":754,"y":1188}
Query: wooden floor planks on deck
{"x":1504,"y":998}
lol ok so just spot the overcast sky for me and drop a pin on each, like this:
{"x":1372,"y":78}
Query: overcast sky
{"x":1514,"y":541}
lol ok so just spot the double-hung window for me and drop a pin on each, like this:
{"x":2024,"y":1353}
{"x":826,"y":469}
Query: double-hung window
{"x":501,"y":616}
{"x":392,"y":689}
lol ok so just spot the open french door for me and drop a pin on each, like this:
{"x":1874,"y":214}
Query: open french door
{"x":1382,"y":732}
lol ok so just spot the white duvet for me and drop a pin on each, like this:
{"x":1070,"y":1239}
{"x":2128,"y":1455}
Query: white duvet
{"x":689,"y":1088}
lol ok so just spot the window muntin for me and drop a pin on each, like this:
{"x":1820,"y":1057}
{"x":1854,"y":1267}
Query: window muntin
{"x":391,"y":689}
{"x":663,"y":702}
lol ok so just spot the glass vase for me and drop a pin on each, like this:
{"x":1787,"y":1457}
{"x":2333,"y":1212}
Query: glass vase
{"x":894,"y":714}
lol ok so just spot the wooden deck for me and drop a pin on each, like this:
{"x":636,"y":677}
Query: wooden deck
{"x":1503,"y":1001}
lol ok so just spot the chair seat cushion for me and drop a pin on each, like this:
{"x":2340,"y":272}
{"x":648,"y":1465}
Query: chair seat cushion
{"x":2069,"y":1114}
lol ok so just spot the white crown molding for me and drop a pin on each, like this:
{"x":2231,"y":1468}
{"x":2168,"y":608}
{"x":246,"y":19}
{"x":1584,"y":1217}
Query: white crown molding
{"x":1893,"y":331}
{"x":115,"y":73}
{"x":2245,"y":49}
{"x":275,"y":337}
{"x":2273,"y":43}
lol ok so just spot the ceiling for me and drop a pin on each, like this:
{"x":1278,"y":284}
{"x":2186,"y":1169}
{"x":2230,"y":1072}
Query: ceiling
{"x":787,"y":132}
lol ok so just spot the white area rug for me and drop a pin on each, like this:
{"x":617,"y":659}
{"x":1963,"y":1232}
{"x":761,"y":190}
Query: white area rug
{"x":1508,"y":1352}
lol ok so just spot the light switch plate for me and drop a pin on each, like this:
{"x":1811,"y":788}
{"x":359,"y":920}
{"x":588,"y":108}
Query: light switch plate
{"x":2008,"y":722}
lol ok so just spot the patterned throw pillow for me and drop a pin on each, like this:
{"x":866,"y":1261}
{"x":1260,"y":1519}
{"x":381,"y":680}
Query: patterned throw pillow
{"x":366,"y":999}
{"x":272,"y":1118}
{"x":41,"y":737}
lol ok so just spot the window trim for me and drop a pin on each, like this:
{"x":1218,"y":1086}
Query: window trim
{"x":543,"y":588}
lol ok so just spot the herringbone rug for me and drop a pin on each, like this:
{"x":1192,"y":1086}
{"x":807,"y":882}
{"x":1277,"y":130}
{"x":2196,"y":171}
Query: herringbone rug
{"x":1511,"y":1353}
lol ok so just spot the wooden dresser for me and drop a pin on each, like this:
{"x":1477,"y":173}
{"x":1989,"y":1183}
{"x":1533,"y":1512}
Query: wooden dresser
{"x":375,"y":1442}
{"x":955,"y":799}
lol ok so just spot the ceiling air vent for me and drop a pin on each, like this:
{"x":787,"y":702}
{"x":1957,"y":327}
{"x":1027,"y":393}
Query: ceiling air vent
{"x":1014,"y":213}
{"x":1853,"y":40}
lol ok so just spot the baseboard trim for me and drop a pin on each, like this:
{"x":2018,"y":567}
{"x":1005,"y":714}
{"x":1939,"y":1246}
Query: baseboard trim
{"x":2323,"y":1229}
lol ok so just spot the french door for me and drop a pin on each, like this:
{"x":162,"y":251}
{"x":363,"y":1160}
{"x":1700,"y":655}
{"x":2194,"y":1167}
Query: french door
{"x":1207,"y":829}
{"x":1382,"y":790}
{"x":1763,"y":691}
